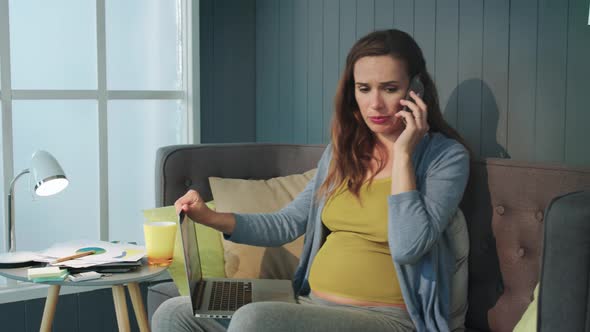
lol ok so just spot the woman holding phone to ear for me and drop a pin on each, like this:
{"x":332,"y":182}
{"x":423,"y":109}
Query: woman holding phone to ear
{"x":378,"y":255}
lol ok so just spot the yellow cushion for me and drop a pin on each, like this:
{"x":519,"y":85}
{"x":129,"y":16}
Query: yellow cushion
{"x":259,"y":196}
{"x":210,"y":249}
{"x":528,"y":321}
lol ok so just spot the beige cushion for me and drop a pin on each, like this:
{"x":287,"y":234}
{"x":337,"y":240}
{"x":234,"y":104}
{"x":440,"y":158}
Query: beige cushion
{"x":259,"y":196}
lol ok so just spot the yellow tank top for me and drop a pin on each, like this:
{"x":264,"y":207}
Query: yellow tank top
{"x":355,"y":261}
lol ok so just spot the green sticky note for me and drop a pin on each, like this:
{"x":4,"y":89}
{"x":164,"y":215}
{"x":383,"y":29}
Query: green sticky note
{"x":60,"y":277}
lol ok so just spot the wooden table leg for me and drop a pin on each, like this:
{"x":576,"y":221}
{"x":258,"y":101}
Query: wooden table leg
{"x":49,"y":311}
{"x":138,"y":307}
{"x":121,"y":308}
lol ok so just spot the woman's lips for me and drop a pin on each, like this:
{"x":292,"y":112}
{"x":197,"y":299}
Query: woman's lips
{"x":379,"y":119}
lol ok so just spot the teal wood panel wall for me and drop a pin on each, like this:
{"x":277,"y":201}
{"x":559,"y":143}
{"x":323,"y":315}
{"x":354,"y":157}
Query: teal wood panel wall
{"x":512,"y":75}
{"x":228,"y":33}
{"x":577,"y":109}
{"x":494,"y":95}
{"x":92,"y":311}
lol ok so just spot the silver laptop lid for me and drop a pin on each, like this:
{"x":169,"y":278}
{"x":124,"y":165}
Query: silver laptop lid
{"x":190,"y":250}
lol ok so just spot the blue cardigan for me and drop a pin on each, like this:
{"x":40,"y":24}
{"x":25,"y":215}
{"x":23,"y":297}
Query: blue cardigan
{"x":420,"y":247}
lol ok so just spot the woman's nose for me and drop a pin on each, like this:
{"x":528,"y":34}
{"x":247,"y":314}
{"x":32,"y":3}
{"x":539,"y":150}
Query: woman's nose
{"x":376,"y":100}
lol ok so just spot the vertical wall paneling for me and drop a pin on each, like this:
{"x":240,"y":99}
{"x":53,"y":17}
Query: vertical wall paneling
{"x":511,"y":75}
{"x":87,"y":311}
{"x":347,"y":29}
{"x":12,"y":316}
{"x":551,"y":79}
{"x":446,"y":57}
{"x":97,"y":311}
{"x":425,"y":30}
{"x":285,"y":72}
{"x":383,"y":14}
{"x":495,"y":78}
{"x":267,"y":71}
{"x":403,"y":15}
{"x":470,"y":72}
{"x":521,"y":79}
{"x":66,"y":314}
{"x":34,"y":314}
{"x":228,"y":60}
{"x":207,"y":57}
{"x":300,"y":70}
{"x":239,"y":67}
{"x":315,"y":94}
{"x":578,"y":71}
{"x":365,"y":22}
{"x":330,"y":62}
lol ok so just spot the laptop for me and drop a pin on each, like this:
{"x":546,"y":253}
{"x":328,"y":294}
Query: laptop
{"x":221,"y":297}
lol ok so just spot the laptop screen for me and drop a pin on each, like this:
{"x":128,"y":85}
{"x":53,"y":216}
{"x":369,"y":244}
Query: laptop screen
{"x":190,"y":250}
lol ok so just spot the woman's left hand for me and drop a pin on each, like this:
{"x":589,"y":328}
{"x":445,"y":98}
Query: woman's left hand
{"x":416,"y":124}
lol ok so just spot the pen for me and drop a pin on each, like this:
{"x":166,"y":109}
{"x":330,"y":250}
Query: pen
{"x":67,"y":258}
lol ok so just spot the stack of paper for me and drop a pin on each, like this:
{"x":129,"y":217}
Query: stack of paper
{"x":42,"y":274}
{"x":105,"y":253}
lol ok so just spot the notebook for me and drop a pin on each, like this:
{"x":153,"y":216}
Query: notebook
{"x":221,"y":297}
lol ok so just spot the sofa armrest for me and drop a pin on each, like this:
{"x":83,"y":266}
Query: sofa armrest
{"x":565,"y":275}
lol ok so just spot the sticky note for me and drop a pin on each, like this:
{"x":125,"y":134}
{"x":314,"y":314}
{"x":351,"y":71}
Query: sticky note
{"x":63,"y":274}
{"x":44,"y":272}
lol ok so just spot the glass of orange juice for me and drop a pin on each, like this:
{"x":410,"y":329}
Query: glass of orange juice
{"x":159,"y":241}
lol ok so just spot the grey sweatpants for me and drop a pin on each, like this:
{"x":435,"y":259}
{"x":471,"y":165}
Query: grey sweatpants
{"x":311,"y":314}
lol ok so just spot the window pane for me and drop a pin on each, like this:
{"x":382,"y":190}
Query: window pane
{"x":3,"y":223}
{"x":143,"y":45}
{"x":136,"y":128}
{"x":2,"y":219}
{"x":53,"y":44}
{"x":67,"y":130}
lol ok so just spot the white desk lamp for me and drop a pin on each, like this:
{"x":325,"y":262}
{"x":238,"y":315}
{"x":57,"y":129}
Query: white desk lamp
{"x":49,"y":179}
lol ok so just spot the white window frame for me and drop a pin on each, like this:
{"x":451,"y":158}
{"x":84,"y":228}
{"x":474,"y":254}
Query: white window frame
{"x":19,"y":291}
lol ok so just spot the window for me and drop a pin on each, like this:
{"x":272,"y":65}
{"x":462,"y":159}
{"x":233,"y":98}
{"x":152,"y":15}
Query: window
{"x":100,"y":84}
{"x":2,"y":211}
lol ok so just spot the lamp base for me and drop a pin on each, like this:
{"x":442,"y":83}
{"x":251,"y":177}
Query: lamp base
{"x":16,"y":259}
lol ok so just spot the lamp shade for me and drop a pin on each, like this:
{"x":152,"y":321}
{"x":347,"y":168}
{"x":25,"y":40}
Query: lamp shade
{"x":48,"y":175}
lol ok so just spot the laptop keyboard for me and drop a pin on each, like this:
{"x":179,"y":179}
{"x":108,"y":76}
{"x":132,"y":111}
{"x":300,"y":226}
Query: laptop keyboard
{"x":230,"y":295}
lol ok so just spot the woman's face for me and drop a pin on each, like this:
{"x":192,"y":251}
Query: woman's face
{"x":380,"y":83}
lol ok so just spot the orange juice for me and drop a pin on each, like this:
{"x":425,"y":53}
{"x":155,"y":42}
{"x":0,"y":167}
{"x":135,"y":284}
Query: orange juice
{"x":159,"y":241}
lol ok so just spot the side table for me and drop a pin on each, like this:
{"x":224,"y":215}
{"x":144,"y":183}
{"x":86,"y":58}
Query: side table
{"x":117,"y":281}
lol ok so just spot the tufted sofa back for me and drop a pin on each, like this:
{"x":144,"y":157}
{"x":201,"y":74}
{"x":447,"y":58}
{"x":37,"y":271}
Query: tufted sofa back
{"x":504,"y":206}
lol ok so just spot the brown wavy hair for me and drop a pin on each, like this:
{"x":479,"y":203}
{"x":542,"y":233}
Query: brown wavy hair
{"x":353,"y":143}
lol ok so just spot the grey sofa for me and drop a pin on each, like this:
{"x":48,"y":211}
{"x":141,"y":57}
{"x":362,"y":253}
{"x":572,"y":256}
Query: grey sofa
{"x":504,"y":206}
{"x":564,"y":301}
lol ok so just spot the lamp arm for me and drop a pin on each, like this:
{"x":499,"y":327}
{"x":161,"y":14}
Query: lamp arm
{"x":11,"y":235}
{"x":23,"y":172}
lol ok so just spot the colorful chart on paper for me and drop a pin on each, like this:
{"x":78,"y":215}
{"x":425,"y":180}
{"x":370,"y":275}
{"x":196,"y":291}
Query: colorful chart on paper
{"x":97,"y":250}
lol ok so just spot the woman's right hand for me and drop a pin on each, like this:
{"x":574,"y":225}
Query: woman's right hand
{"x":195,"y":208}
{"x":193,"y":205}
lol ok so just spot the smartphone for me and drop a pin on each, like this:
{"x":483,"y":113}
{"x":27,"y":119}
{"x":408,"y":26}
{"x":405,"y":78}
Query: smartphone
{"x":416,"y":86}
